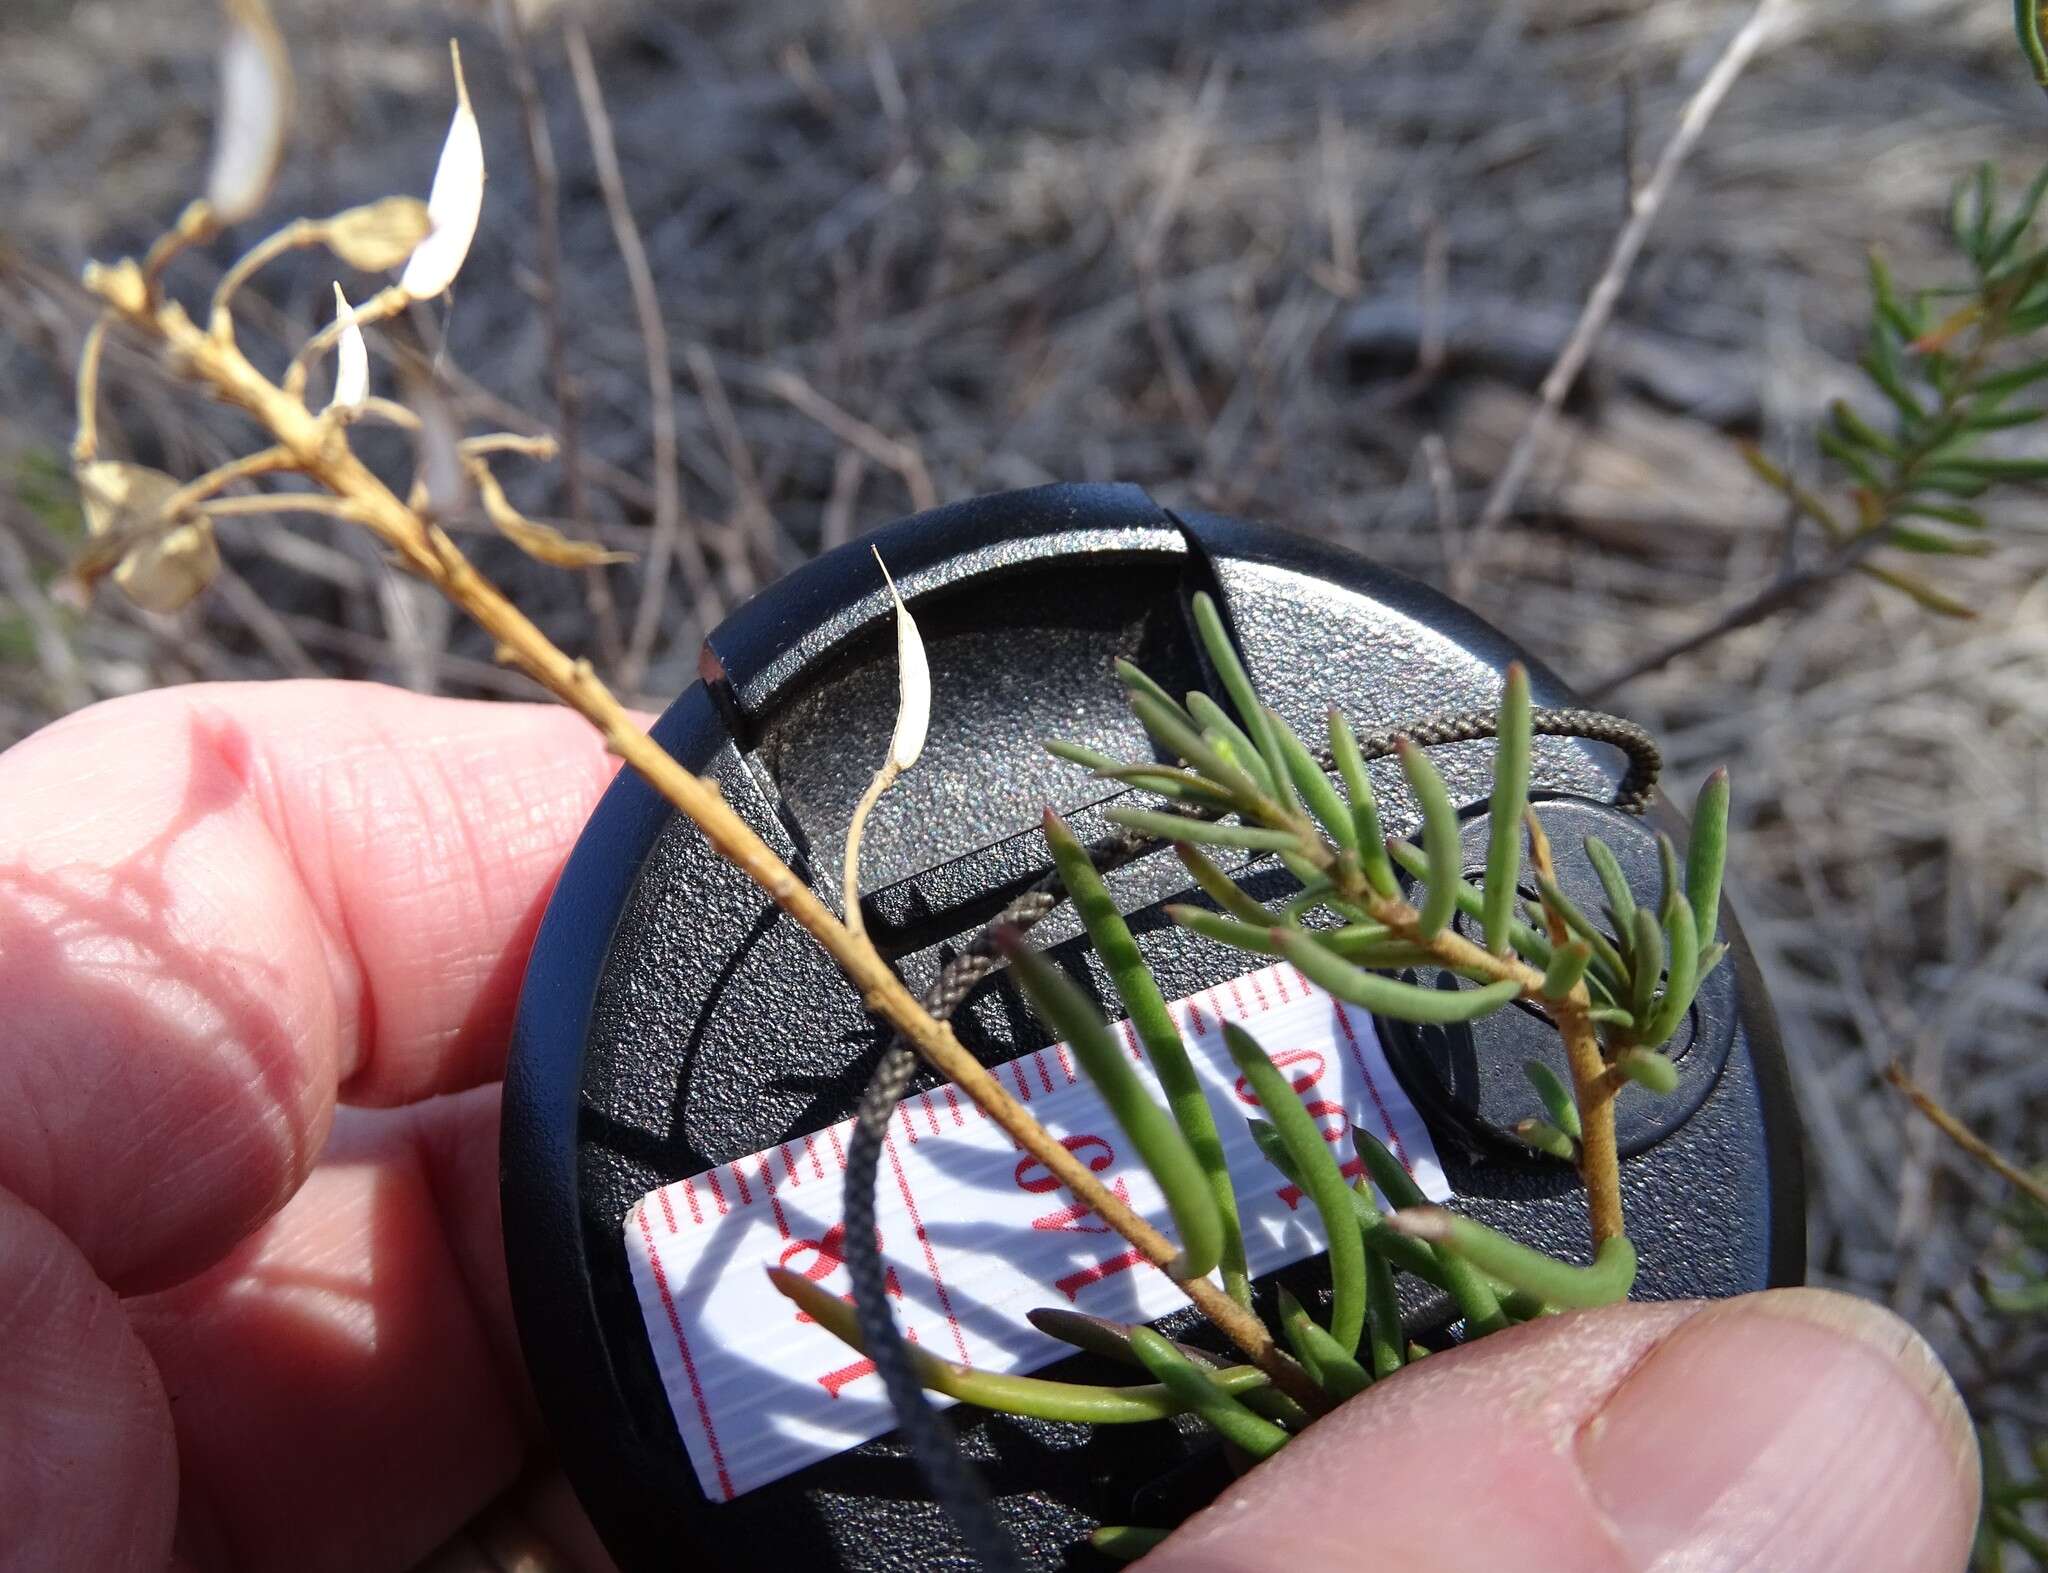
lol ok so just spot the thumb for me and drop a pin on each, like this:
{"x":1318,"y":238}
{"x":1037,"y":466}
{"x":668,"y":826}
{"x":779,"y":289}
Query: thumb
{"x":1798,"y":1431}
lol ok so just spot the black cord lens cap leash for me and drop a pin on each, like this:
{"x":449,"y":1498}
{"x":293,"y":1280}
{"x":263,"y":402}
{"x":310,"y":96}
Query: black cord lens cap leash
{"x":686,"y":1060}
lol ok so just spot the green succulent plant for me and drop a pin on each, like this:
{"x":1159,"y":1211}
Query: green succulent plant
{"x":1617,"y":984}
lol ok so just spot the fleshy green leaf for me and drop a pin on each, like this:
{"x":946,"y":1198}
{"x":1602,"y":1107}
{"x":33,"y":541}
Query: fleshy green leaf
{"x":1649,"y":1069}
{"x":1221,"y":888}
{"x":1176,"y":786}
{"x":1467,"y":1285}
{"x":1370,"y":839}
{"x":1321,"y":798}
{"x":1319,"y":1176}
{"x":1510,"y":799}
{"x":1649,"y":966}
{"x":1547,"y":1138}
{"x":1606,"y":1282}
{"x":1706,"y":854}
{"x":1158,"y":1139}
{"x":1203,"y":832}
{"x":1682,"y":946}
{"x":1389,"y":996}
{"x":1439,"y":838}
{"x":1556,"y":1097}
{"x":1154,"y":1024}
{"x":1621,"y":901}
{"x":1229,"y":738}
{"x":1125,"y":1542}
{"x":1568,"y":965}
{"x":1237,"y":682}
{"x":1604,"y":952}
{"x":1386,"y":1343}
{"x":1171,"y":729}
{"x":1533,"y":946}
{"x":1191,"y":1386}
{"x":1035,"y":1397}
{"x":1086,"y":758}
{"x":1338,"y":1373}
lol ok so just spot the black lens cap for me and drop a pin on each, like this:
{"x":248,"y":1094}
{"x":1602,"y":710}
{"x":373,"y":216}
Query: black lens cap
{"x":674,"y":1021}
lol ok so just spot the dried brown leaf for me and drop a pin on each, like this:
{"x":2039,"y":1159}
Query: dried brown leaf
{"x":163,"y":569}
{"x":378,"y":236}
{"x":542,"y":542}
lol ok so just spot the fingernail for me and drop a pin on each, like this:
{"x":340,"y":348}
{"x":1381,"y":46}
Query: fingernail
{"x":1798,"y":1430}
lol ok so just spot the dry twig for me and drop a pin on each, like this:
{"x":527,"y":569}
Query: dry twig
{"x":1606,"y":292}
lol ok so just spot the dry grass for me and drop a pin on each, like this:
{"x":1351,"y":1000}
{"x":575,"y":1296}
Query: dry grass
{"x":1198,"y":247}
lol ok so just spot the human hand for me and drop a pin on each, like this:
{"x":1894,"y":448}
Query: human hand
{"x":240,"y":1329}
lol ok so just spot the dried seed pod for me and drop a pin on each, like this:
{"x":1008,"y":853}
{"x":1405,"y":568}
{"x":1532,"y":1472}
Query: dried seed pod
{"x":379,"y":236}
{"x":913,"y":682}
{"x":454,"y":203}
{"x":163,"y":569}
{"x":351,"y":358}
{"x":255,"y":110}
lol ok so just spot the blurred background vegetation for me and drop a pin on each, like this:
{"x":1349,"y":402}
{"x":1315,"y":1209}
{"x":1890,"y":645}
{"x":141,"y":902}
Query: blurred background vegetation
{"x":1305,"y":263}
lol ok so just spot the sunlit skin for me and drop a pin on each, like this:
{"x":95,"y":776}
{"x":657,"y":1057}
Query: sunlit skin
{"x":259,"y":950}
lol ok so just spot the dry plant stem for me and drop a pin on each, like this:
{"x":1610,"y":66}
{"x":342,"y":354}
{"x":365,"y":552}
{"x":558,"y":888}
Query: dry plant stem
{"x":298,"y":233}
{"x":195,"y":226}
{"x":1787,"y":590}
{"x":266,"y":461}
{"x":541,"y":169}
{"x":282,"y":502}
{"x":85,"y":446}
{"x":1970,"y":1142}
{"x":884,"y":778}
{"x":667,"y":543}
{"x":1592,"y":1091}
{"x":1600,"y":1165}
{"x":1643,"y":210}
{"x":319,"y":448}
{"x":902,"y":457}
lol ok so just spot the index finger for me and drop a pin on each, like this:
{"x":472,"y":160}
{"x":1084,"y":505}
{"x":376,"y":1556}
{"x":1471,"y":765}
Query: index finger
{"x":224,"y":906}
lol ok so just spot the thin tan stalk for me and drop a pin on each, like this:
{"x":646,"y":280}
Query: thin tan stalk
{"x":1599,"y":1157}
{"x":319,"y":450}
{"x":1965,"y":1138}
{"x":670,"y":540}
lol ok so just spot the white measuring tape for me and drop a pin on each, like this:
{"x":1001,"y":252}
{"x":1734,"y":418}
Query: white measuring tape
{"x":975,"y":1232}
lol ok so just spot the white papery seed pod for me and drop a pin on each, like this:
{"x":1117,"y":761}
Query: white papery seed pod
{"x":455,"y":202}
{"x":913,"y":682}
{"x":351,"y":358}
{"x":255,"y":111}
